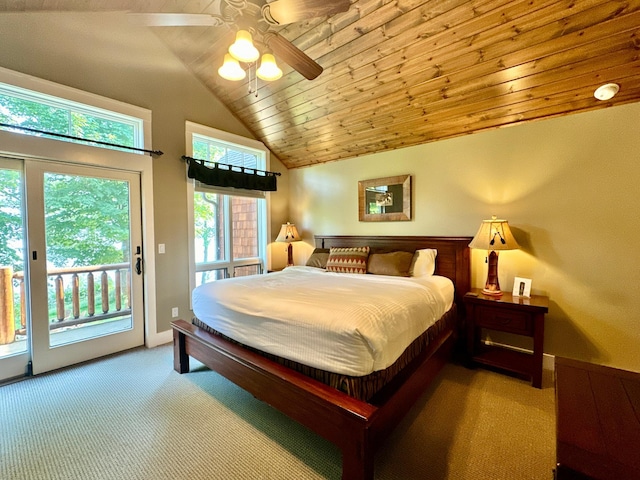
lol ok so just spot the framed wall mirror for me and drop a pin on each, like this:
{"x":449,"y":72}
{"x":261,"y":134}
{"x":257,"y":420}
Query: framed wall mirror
{"x":385,"y":199}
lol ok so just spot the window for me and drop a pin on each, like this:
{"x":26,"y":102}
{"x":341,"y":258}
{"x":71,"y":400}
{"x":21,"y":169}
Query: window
{"x":39,"y":111}
{"x":228,"y":229}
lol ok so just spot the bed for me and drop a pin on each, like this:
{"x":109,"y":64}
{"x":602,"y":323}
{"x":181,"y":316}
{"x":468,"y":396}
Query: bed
{"x":356,"y":426}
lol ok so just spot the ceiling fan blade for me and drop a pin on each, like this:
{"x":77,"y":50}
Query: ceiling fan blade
{"x":281,"y":12}
{"x":174,"y":19}
{"x":292,"y":55}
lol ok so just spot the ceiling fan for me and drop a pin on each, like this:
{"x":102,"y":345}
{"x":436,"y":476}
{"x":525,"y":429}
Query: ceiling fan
{"x":260,"y":17}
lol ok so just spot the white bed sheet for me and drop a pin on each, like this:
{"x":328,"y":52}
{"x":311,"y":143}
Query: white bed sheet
{"x":344,"y":323}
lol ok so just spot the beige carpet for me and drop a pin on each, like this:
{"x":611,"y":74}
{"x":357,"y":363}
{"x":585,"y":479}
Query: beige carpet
{"x":131,"y":416}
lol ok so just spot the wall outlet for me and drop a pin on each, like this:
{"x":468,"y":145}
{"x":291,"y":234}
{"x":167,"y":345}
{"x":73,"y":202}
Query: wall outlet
{"x":174,"y":312}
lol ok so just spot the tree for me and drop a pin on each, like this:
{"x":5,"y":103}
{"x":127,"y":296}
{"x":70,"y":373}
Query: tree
{"x":87,"y":220}
{"x":62,"y":120}
{"x":11,"y":236}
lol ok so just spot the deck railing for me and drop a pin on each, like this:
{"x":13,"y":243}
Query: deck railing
{"x":68,"y":311}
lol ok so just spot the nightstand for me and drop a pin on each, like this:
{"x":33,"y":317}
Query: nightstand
{"x":516,"y":315}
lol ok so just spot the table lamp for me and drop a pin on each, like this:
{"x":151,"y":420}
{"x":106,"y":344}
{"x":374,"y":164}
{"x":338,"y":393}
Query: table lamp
{"x":289,"y":233}
{"x":493,"y":235}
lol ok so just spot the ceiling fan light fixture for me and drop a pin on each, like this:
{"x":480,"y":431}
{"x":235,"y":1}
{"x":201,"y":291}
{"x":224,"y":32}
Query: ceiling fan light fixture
{"x":243,"y":49}
{"x":269,"y":70}
{"x":607,"y":91}
{"x":231,"y":69}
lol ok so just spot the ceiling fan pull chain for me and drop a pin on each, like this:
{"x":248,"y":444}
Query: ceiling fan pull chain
{"x":255,"y":79}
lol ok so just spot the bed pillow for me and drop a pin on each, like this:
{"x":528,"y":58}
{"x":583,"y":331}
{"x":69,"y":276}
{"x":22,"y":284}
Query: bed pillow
{"x":423,"y":263}
{"x":318,"y":258}
{"x":348,"y":260}
{"x":395,"y":263}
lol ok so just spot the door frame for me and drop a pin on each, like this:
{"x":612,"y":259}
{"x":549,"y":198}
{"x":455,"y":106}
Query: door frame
{"x":15,"y":365}
{"x":44,"y":356}
{"x":28,"y":147}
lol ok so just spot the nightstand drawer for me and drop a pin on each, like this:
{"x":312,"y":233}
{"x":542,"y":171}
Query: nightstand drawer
{"x":505,"y":320}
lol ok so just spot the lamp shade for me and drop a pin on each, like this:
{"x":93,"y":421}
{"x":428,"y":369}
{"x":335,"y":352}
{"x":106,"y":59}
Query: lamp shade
{"x":269,"y":70}
{"x":288,"y":233}
{"x":242,"y":49}
{"x":231,"y":69}
{"x":494,"y":234}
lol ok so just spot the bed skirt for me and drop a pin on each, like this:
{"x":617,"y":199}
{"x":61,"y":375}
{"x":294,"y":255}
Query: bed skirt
{"x":362,"y":388}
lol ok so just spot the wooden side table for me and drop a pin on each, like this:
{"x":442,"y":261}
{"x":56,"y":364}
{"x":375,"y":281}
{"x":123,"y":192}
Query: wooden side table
{"x":517,"y":315}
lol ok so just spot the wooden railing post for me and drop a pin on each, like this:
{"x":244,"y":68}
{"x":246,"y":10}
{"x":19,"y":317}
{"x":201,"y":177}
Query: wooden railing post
{"x":91,"y":295}
{"x":75,"y":295}
{"x":7,"y":321}
{"x":23,"y":306}
{"x":118,"y":278}
{"x":59,"y":298}
{"x":128,"y":281}
{"x":104,"y":290}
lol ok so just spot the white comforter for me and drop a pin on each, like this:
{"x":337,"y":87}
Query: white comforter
{"x":343,"y":323}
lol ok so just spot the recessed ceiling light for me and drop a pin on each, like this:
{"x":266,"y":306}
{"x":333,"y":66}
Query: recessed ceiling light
{"x":607,"y":91}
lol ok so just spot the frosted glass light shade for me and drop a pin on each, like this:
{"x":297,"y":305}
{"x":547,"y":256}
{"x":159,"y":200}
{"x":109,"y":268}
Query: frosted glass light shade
{"x":269,"y":70}
{"x":231,"y":69}
{"x":242,"y":49}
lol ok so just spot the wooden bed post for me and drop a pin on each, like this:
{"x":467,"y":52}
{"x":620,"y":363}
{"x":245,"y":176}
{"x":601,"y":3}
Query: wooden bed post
{"x":358,"y":459}
{"x":180,"y":357}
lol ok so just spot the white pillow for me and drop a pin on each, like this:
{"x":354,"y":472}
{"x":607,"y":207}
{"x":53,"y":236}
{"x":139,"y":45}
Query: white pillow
{"x":423,"y":263}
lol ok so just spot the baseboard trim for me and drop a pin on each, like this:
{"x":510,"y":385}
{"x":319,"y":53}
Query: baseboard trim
{"x":159,"y":338}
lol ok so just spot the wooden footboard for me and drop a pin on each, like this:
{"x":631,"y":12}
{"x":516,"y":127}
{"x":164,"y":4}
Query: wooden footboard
{"x":357,"y":428}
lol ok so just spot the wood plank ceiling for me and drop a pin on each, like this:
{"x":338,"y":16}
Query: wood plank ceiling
{"x":406,"y":72}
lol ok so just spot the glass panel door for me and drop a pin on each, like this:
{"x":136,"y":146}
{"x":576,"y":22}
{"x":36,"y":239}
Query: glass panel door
{"x":86,"y":264}
{"x":14,"y":341}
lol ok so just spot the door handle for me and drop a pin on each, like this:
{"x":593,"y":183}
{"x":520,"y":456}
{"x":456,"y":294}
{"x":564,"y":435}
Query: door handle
{"x":139,"y":265}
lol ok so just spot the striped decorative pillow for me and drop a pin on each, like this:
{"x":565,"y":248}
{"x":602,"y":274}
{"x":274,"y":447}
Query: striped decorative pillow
{"x":348,"y":260}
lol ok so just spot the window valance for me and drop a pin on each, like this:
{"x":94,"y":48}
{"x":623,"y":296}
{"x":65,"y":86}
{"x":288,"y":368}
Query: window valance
{"x":224,"y":175}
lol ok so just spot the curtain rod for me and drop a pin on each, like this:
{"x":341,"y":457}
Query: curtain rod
{"x":231,"y":167}
{"x":70,"y":137}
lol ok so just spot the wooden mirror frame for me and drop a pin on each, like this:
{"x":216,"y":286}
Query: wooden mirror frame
{"x":405,"y":214}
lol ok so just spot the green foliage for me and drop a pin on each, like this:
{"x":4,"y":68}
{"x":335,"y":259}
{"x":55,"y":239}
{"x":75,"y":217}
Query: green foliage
{"x":207,"y":207}
{"x":87,"y":220}
{"x":207,"y":213}
{"x":10,"y":219}
{"x":65,"y":121}
{"x":27,"y":113}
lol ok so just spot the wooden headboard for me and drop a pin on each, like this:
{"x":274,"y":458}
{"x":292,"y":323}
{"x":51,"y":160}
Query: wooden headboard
{"x":453,"y":260}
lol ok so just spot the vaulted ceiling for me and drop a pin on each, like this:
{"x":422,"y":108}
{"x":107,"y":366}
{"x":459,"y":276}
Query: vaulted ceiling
{"x":406,"y":72}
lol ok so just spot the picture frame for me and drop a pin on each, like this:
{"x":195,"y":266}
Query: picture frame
{"x":521,"y":287}
{"x":385,"y":199}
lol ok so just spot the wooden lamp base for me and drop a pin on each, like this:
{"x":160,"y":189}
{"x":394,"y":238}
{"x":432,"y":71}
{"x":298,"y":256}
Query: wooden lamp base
{"x":492,"y":285}
{"x":289,"y":255}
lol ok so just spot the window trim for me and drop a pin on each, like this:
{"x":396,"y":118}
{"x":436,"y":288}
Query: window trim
{"x":72,"y":107}
{"x":81,"y":99}
{"x":237,"y":141}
